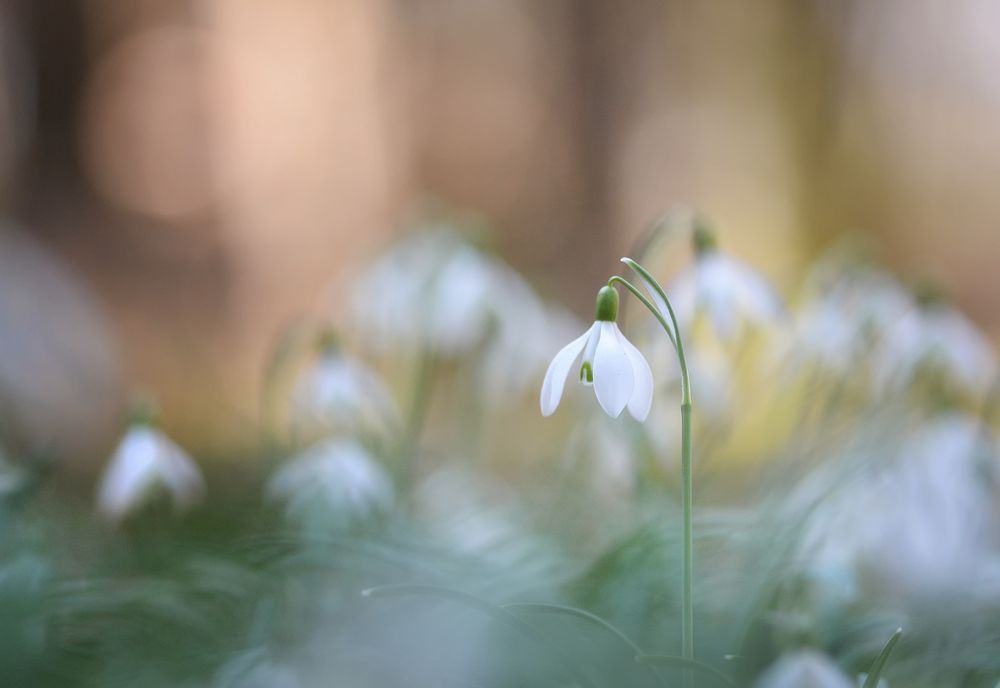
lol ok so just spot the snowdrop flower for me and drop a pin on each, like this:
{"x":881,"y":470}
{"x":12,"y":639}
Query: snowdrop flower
{"x":339,"y":392}
{"x":338,"y":475}
{"x":728,"y":291}
{"x":618,"y":372}
{"x":804,"y":669}
{"x":145,"y":462}
{"x":938,"y":336}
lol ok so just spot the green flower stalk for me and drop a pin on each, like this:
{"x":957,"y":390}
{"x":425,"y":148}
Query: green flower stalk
{"x":622,"y":378}
{"x":664,"y":313}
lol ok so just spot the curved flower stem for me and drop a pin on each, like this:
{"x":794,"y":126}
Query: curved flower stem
{"x":673,"y":331}
{"x":646,"y":302}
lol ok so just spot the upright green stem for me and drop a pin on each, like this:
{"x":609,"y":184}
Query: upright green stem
{"x":687,"y":611}
{"x":420,"y":399}
{"x":687,"y":493}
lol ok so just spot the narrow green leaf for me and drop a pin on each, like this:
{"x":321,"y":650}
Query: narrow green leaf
{"x":876,"y":669}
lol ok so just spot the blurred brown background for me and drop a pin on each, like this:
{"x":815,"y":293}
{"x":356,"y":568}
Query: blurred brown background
{"x":208,"y":168}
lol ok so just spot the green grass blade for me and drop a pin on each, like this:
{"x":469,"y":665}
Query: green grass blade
{"x":876,"y":669}
{"x":584,"y":615}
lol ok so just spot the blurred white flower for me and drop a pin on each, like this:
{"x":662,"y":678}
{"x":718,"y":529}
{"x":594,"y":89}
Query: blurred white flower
{"x":12,"y":477}
{"x":938,"y":337}
{"x":836,"y":329}
{"x":336,"y":392}
{"x":933,"y":530}
{"x":512,"y":361}
{"x":487,"y":522}
{"x":618,"y":372}
{"x":145,"y":462}
{"x":470,"y":514}
{"x":804,"y":669}
{"x":921,"y":526}
{"x":728,"y":291}
{"x":710,"y":368}
{"x":436,"y":291}
{"x":607,"y":456}
{"x":339,"y":477}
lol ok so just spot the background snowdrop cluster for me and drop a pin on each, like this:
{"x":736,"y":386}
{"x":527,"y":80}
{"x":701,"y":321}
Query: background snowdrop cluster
{"x":846,"y":464}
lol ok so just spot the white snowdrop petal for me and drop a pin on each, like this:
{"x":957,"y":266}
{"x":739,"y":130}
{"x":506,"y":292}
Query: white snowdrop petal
{"x":613,"y":376}
{"x":970,"y":355}
{"x":555,"y":376}
{"x":145,"y":459}
{"x":642,"y":394}
{"x":131,"y":469}
{"x":181,"y":476}
{"x":683,"y":293}
{"x":721,"y":311}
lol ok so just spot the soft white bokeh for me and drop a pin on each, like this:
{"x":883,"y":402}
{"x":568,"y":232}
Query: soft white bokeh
{"x":337,"y":392}
{"x":804,"y":669}
{"x":729,"y":292}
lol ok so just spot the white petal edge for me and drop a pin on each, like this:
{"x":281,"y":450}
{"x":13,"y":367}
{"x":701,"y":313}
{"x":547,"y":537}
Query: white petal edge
{"x":642,"y":393}
{"x":613,"y":376}
{"x":555,"y":376}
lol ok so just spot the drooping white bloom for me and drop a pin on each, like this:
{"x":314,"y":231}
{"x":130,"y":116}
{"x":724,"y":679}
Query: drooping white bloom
{"x":727,"y":290}
{"x":339,"y":476}
{"x":337,"y":392}
{"x":145,"y":462}
{"x":935,"y":336}
{"x":618,"y":372}
{"x":804,"y":669}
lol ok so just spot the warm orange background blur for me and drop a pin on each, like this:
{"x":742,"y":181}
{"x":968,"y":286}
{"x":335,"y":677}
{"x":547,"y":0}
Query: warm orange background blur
{"x":208,"y":168}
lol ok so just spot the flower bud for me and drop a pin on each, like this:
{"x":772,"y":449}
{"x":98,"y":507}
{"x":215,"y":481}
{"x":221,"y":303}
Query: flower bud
{"x":702,"y":238}
{"x":606,"y":308}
